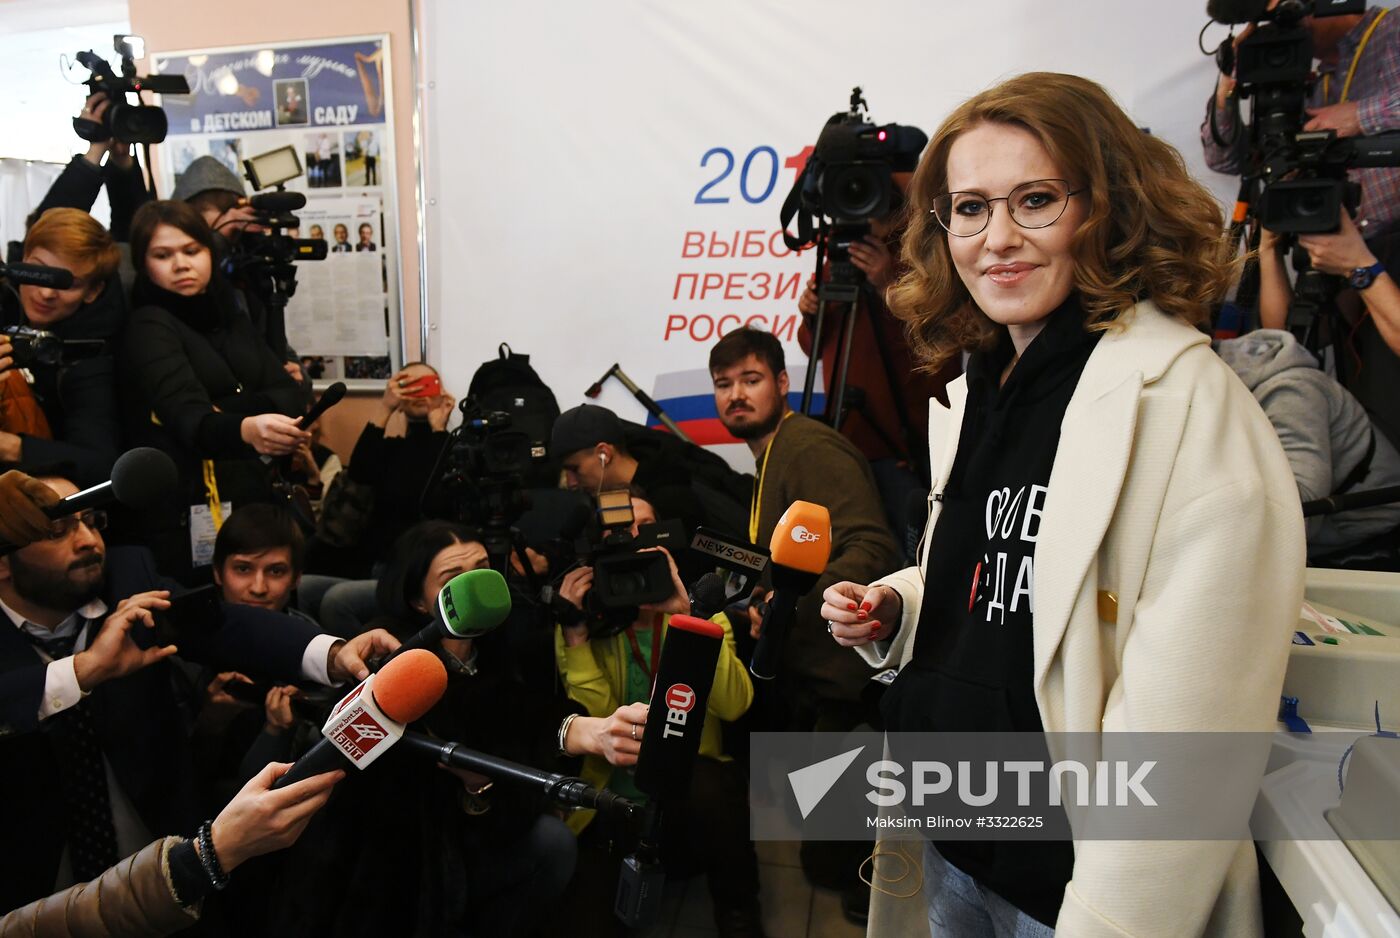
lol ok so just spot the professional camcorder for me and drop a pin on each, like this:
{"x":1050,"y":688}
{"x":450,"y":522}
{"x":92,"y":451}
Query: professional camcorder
{"x":128,"y":123}
{"x":36,"y":347}
{"x":1305,"y":187}
{"x":626,"y":572}
{"x":848,"y":178}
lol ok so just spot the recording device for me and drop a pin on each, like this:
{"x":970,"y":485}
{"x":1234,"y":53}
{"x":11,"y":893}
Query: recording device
{"x":128,"y":123}
{"x":847,"y":182}
{"x":468,"y":606}
{"x":192,"y":622}
{"x":266,"y":260}
{"x":707,"y":596}
{"x":370,"y":719}
{"x":30,"y":347}
{"x":310,"y":703}
{"x":426,"y":386}
{"x":564,"y":790}
{"x":329,"y":398}
{"x":37,"y":275}
{"x":670,"y":746}
{"x":142,"y":478}
{"x":627,"y":572}
{"x":801,"y":546}
{"x":745,"y":562}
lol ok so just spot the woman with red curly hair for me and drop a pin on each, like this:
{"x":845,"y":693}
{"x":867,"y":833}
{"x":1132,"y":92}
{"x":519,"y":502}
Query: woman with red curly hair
{"x":1115,"y":542}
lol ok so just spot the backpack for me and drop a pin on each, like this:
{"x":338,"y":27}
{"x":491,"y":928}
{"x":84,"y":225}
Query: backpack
{"x":511,"y":385}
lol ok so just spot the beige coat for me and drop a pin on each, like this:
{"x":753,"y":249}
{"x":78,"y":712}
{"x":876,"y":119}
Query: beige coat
{"x":1170,"y":491}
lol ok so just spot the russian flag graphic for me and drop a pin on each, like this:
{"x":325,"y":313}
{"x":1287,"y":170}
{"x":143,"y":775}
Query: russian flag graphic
{"x":688,"y":398}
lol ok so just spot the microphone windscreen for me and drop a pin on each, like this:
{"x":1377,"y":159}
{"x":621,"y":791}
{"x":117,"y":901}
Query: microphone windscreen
{"x":707,"y":595}
{"x":143,"y":477}
{"x":802,"y":538}
{"x":332,"y":395}
{"x":278,"y":201}
{"x":409,"y":685}
{"x":474,"y":603}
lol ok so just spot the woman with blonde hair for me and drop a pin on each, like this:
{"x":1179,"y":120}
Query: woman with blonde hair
{"x":1114,"y":528}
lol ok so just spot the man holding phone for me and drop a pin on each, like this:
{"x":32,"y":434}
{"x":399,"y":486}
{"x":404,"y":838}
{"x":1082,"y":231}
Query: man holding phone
{"x":95,"y":744}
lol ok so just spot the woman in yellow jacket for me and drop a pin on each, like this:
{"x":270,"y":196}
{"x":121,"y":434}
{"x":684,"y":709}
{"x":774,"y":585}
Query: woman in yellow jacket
{"x":612,"y":678}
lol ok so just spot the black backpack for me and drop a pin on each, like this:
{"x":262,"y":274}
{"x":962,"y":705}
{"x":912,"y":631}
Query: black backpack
{"x":511,"y":385}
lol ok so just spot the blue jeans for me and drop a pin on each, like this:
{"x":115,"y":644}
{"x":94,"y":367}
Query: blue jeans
{"x":959,"y":907}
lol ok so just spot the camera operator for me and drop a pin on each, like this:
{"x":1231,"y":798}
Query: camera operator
{"x":64,"y":413}
{"x":1357,"y":94}
{"x":711,"y":831}
{"x":96,"y":749}
{"x":86,"y":175}
{"x":1370,"y":306}
{"x":890,"y":425}
{"x":204,"y":386}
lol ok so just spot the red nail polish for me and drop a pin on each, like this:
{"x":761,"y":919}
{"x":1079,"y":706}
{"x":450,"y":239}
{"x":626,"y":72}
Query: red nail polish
{"x":865,"y":606}
{"x":851,"y":607}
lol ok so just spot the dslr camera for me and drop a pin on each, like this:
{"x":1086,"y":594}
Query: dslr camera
{"x":128,"y":123}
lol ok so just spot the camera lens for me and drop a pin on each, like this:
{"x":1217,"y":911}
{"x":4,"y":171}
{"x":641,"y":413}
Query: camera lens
{"x":854,"y":191}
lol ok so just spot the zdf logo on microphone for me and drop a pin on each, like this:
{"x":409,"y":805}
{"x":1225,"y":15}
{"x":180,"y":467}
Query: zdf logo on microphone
{"x":801,"y":535}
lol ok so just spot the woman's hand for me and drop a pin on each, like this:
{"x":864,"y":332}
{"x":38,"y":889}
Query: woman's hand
{"x":807,"y":302}
{"x":617,"y":738}
{"x":577,"y":582}
{"x":273,"y":434}
{"x":277,"y":705}
{"x":218,"y":697}
{"x":7,"y":359}
{"x":678,"y":603}
{"x":93,"y":110}
{"x":860,"y":614}
{"x":441,"y":412}
{"x":259,"y":820}
{"x":392,"y":398}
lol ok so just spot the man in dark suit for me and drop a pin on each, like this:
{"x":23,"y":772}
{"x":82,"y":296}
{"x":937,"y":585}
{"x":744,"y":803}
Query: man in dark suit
{"x":94,"y":743}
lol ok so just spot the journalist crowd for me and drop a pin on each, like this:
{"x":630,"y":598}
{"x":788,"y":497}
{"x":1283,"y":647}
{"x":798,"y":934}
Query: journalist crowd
{"x":174,"y":655}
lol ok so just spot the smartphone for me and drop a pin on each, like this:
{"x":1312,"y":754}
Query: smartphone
{"x":426,"y":386}
{"x":191,"y":623}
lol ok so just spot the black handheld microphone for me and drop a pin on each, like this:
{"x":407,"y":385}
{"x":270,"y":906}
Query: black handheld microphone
{"x":141,"y":478}
{"x":38,"y":275}
{"x":707,"y":596}
{"x":684,"y":677}
{"x":328,"y":399}
{"x":564,"y":790}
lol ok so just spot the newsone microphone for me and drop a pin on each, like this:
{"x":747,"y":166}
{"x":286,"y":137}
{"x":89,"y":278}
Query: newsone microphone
{"x":468,"y":606}
{"x":370,"y":719}
{"x":37,"y":275}
{"x":328,"y":399}
{"x":684,"y":677}
{"x":800,"y":548}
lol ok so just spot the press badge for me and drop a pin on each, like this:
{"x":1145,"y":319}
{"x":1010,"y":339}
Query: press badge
{"x":203,"y":531}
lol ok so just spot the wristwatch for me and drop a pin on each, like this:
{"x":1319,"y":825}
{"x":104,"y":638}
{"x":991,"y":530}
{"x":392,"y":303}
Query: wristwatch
{"x":1363,"y":277}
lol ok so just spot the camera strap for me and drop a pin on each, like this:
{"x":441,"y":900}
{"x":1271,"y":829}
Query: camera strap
{"x":650,"y":672}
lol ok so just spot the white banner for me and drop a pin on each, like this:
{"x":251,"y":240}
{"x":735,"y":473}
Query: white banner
{"x":605,"y":178}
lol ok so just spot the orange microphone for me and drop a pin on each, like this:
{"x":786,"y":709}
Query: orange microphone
{"x":800,"y":548}
{"x":370,"y":719}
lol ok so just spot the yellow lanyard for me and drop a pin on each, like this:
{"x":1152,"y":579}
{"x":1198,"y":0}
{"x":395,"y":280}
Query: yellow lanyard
{"x":211,"y":486}
{"x":756,"y":505}
{"x":1351,"y":70}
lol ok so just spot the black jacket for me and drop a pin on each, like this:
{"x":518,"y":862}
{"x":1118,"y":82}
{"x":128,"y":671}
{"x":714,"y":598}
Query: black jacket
{"x":140,"y":726}
{"x":77,"y":187}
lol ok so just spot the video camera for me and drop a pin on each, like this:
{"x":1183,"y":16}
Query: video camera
{"x":128,"y":123}
{"x":1305,"y":187}
{"x":626,"y":572}
{"x":849,"y":179}
{"x":30,"y":347}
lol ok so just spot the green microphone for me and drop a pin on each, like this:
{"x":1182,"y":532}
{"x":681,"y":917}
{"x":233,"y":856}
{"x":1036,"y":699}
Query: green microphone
{"x":469,"y":605}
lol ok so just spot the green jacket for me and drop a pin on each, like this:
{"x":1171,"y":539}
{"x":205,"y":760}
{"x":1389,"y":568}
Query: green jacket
{"x":595,"y":675}
{"x":809,"y":461}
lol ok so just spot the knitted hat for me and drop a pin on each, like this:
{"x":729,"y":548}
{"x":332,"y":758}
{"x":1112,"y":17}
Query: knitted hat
{"x":204,"y":174}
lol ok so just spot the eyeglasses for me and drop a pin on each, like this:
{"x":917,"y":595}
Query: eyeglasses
{"x":1036,"y":204}
{"x":94,"y":518}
